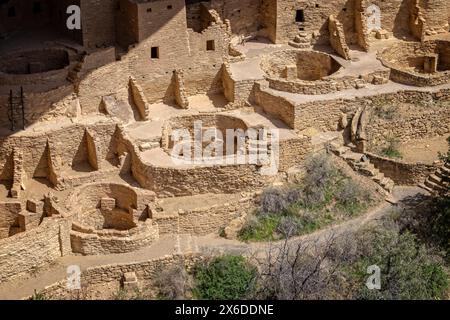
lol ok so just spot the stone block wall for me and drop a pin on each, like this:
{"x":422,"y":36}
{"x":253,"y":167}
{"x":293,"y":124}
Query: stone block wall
{"x":410,"y":120}
{"x":325,"y":115}
{"x":9,"y":213}
{"x":204,"y":220}
{"x":95,"y":277}
{"x":45,"y":154}
{"x":169,"y":182}
{"x":276,"y":106}
{"x":36,"y":248}
{"x":401,"y":172}
{"x":109,"y":242}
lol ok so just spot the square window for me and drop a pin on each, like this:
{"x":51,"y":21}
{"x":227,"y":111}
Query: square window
{"x":169,"y":7}
{"x":11,"y":12}
{"x":149,"y":10}
{"x":210,"y":45}
{"x":300,"y":16}
{"x":155,"y":53}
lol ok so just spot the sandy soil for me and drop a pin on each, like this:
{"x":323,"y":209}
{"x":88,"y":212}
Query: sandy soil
{"x":423,"y":150}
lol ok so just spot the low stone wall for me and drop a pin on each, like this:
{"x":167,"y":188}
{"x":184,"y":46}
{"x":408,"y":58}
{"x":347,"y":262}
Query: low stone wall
{"x":97,"y":276}
{"x":25,"y":252}
{"x":401,"y":172}
{"x":107,"y":242}
{"x":327,"y":85}
{"x":204,"y":220}
{"x":326,"y":114}
{"x":274,"y":105}
{"x":416,"y":116}
{"x":90,"y":195}
{"x":53,"y":152}
{"x":170,"y":182}
{"x":407,"y":62}
{"x":419,"y":80}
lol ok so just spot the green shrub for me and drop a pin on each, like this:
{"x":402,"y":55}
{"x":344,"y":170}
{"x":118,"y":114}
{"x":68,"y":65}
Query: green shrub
{"x":260,"y":227}
{"x":226,"y":277}
{"x":391,"y":149}
{"x":304,"y":208}
{"x":408,"y":270}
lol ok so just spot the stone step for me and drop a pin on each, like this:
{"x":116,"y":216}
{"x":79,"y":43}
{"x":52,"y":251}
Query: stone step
{"x":387,"y":184}
{"x":434,"y":178}
{"x":301,"y":45}
{"x":338,"y":149}
{"x":379,"y":177}
{"x":440,"y":173}
{"x":434,"y":186}
{"x":385,"y":181}
{"x":423,"y":186}
{"x":369,"y":171}
{"x":445,"y":171}
{"x":352,"y":156}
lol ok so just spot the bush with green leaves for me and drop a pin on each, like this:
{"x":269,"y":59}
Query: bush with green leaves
{"x":430,"y":221}
{"x":324,"y":196}
{"x":408,"y":269}
{"x":225,"y":278}
{"x":391,"y":150}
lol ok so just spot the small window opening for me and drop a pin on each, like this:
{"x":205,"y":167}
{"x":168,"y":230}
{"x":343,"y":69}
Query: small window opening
{"x":210,"y":45}
{"x":155,"y":53}
{"x":300,"y":16}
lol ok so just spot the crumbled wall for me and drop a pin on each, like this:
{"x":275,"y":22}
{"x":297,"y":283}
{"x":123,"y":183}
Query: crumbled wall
{"x":67,"y":144}
{"x":337,"y":38}
{"x":8,"y":217}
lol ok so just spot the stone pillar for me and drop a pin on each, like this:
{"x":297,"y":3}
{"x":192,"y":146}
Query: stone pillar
{"x":290,"y":72}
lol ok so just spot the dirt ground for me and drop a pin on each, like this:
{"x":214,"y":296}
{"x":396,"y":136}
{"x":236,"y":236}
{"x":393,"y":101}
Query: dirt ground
{"x":423,"y":150}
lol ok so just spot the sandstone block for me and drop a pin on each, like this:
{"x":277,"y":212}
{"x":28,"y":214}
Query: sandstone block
{"x":107,"y":203}
{"x":35,"y":206}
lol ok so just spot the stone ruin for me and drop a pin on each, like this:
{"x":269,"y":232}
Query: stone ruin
{"x":86,"y":136}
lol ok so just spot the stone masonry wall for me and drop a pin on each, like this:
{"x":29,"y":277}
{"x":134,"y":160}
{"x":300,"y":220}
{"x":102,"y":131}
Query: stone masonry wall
{"x":401,"y":172}
{"x":25,"y":252}
{"x":97,"y":276}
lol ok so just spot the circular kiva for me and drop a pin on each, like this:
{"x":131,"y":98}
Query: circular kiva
{"x":418,"y":64}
